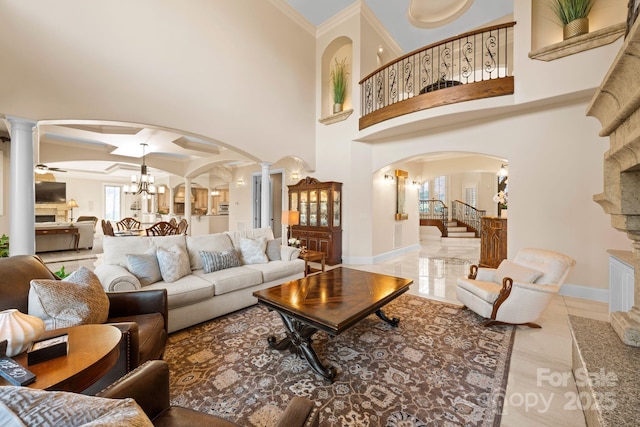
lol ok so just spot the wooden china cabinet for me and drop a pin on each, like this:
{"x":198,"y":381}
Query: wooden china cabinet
{"x":320,"y":207}
{"x":493,"y":241}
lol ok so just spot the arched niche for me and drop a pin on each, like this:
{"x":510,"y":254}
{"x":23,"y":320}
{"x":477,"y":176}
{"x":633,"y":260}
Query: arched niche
{"x":339,"y":49}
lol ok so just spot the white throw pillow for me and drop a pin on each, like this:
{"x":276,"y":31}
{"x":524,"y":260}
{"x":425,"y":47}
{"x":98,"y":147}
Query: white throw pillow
{"x":516,"y":272}
{"x":174,"y":263}
{"x":145,"y":267}
{"x":78,"y":299}
{"x":253,"y":251}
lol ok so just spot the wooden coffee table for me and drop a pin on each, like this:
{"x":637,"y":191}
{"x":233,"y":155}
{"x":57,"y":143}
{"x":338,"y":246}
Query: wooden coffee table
{"x":93,"y":351}
{"x":332,"y":302}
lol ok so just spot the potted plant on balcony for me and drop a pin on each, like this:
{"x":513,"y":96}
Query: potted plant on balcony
{"x":338,"y":76}
{"x":573,"y":16}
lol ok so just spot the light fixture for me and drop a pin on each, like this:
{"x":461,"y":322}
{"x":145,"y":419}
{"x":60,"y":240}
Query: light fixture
{"x":294,"y":176}
{"x":215,"y":193}
{"x":240,"y":182}
{"x":388,"y":177}
{"x":72,"y":204}
{"x":290,"y":218}
{"x":503,"y":170}
{"x":144,"y":183}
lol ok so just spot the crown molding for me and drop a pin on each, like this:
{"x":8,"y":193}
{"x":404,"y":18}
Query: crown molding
{"x":373,"y":20}
{"x":294,"y":15}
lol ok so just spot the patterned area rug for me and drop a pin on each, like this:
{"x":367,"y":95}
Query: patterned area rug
{"x":439,"y":367}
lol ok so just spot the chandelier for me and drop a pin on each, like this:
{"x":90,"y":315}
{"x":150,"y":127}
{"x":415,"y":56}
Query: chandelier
{"x":144,"y":183}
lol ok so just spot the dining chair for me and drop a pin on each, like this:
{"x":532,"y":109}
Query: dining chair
{"x":173,"y":221}
{"x":128,"y":224}
{"x":107,"y":228}
{"x":182,"y":226}
{"x":162,"y":228}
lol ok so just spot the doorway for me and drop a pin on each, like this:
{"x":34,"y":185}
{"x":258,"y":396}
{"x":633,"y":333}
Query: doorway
{"x":276,"y":195}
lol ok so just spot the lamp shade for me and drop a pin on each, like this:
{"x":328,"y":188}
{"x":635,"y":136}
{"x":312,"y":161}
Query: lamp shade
{"x":72,"y":203}
{"x":290,"y":217}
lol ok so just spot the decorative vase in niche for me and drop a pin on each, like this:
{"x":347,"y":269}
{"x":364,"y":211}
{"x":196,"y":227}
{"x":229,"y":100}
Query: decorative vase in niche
{"x":576,"y":27}
{"x":337,"y":108}
{"x":19,"y":329}
{"x":503,"y":213}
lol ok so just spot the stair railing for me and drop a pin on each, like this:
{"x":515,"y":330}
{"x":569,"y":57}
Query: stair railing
{"x":467,"y":215}
{"x":435,"y":210}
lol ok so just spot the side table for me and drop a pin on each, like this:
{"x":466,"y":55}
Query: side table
{"x":93,"y":351}
{"x":312,"y":256}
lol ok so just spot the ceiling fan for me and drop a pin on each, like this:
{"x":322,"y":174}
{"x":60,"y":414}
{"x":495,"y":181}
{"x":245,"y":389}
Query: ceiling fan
{"x":41,"y":168}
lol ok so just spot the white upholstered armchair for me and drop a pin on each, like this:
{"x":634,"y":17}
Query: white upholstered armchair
{"x":517,"y":291}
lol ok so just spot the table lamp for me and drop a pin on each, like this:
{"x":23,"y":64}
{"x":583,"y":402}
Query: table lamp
{"x":290,"y":218}
{"x":72,"y":204}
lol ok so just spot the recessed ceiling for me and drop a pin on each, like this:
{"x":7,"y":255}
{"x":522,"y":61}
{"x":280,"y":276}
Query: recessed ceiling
{"x":436,"y":13}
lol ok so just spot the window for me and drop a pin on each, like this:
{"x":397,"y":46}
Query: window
{"x":112,"y":201}
{"x":439,"y":188}
{"x":471,"y":196}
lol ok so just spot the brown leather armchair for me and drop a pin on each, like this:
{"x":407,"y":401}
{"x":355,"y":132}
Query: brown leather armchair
{"x":148,"y":385}
{"x":141,"y":316}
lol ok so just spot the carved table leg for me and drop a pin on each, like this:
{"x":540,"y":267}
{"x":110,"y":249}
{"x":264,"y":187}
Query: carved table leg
{"x":298,"y":341}
{"x":393,"y":321}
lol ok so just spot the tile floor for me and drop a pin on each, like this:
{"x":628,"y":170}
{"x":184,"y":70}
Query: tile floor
{"x":540,"y":390}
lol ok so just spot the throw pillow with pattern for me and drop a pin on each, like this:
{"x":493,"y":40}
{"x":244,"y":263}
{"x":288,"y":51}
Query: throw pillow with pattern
{"x":174,"y":263}
{"x":78,"y":299}
{"x":253,"y":251}
{"x":214,"y":261}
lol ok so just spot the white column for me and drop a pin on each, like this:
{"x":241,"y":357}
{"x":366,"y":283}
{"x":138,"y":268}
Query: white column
{"x":170,"y":200}
{"x":22,"y":211}
{"x":265,"y":200}
{"x":187,"y":203}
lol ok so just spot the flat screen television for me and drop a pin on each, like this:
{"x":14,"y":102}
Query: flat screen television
{"x":51,"y":192}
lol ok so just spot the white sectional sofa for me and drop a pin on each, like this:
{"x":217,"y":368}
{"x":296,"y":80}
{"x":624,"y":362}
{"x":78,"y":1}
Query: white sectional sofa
{"x":64,"y":242}
{"x":199,"y":296}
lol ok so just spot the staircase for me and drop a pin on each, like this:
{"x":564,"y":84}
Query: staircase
{"x":459,"y":234}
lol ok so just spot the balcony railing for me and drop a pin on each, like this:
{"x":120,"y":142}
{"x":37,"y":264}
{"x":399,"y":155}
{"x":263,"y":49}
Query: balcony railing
{"x":471,"y":66}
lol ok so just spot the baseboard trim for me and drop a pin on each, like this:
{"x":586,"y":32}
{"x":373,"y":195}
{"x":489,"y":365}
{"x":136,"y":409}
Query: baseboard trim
{"x":379,"y":258}
{"x":577,"y":291}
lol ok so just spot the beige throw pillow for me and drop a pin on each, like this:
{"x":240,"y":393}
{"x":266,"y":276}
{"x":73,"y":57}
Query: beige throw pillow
{"x":79,"y":299}
{"x":174,"y":263}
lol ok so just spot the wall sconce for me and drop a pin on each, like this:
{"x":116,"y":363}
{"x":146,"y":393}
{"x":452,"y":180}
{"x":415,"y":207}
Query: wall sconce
{"x":503,"y":170}
{"x":295,"y":176}
{"x":215,"y":193}
{"x":240,"y":182}
{"x":416,"y":184}
{"x":388,"y":178}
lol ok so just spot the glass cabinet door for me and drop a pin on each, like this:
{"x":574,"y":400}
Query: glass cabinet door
{"x":324,"y":213}
{"x":304,"y":208}
{"x":336,"y":208}
{"x":293,"y":205}
{"x":313,"y":208}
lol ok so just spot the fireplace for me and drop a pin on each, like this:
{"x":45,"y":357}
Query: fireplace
{"x":607,"y":352}
{"x":45,"y":218}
